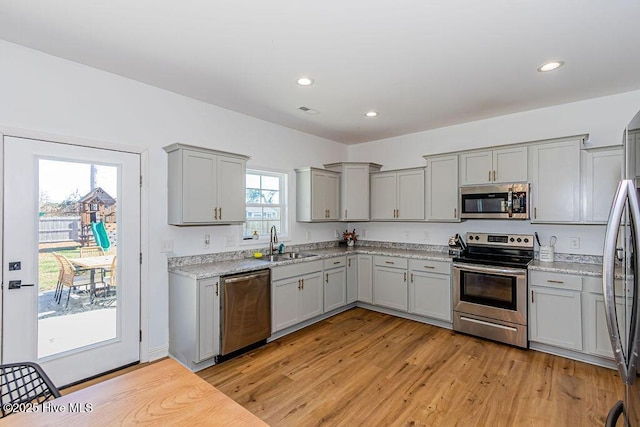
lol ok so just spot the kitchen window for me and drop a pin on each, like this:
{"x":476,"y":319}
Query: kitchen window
{"x":266,"y":203}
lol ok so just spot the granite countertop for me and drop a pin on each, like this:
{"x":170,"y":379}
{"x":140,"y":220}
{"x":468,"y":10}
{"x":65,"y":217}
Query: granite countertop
{"x":594,"y":270}
{"x":212,"y":268}
{"x":242,"y":265}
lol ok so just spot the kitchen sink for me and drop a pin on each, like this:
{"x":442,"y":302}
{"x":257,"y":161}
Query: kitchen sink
{"x":287,"y":256}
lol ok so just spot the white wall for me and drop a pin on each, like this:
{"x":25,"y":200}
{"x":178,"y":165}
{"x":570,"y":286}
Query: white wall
{"x":604,"y":119}
{"x":39,"y":92}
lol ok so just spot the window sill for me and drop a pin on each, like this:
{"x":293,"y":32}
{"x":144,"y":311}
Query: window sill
{"x":263,"y":240}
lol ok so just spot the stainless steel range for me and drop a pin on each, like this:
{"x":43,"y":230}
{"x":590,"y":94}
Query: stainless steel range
{"x":490,"y":287}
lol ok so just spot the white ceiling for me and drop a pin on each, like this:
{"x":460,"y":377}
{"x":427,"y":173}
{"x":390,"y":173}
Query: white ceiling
{"x":422,"y":64}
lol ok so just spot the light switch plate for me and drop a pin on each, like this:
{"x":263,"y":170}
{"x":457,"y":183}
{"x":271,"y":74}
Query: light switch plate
{"x":166,"y":246}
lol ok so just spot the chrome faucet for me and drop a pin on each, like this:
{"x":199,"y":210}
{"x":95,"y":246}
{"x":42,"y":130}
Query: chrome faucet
{"x":273,"y":239}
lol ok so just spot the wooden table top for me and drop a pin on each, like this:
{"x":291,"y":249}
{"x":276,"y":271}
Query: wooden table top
{"x":163,"y":393}
{"x":93,"y":261}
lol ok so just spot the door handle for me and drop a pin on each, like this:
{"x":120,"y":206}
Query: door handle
{"x":215,"y":213}
{"x":326,"y":279}
{"x":17,"y":284}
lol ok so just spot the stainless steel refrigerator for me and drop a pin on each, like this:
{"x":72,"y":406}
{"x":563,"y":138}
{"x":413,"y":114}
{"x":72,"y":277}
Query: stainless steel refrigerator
{"x":620,"y":263}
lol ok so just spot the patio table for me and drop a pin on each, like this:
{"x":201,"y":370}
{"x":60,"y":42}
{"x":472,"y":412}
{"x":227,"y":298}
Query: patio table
{"x":93,"y":263}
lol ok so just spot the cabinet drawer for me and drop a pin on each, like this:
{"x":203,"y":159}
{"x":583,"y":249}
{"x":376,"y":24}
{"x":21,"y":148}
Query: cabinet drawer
{"x":390,"y":261}
{"x":594,"y":285}
{"x":334,"y":262}
{"x":555,"y":280}
{"x":439,"y":267}
{"x":293,"y":270}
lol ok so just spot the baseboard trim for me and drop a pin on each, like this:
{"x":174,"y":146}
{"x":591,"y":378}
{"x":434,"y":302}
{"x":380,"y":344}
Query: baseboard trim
{"x":158,"y":353}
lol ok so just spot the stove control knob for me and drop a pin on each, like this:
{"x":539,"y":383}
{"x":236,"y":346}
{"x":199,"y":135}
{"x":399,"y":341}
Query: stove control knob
{"x":477,"y":238}
{"x":526,"y":240}
{"x":519,"y":240}
{"x":470,"y":237}
{"x":512,"y":240}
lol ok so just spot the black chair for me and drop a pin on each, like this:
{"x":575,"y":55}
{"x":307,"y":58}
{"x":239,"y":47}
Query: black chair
{"x":24,"y":383}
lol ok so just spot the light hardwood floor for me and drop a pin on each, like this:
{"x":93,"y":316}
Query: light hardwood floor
{"x":365,"y":368}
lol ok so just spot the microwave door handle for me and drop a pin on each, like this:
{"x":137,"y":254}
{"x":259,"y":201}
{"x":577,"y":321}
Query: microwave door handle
{"x":608,"y":290}
{"x":510,"y":204}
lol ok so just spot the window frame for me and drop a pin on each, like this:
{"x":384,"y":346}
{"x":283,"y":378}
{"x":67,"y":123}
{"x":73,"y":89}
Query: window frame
{"x":283,"y":178}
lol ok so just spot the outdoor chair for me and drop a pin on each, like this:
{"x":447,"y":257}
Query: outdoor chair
{"x":111,"y":281}
{"x":24,"y":383}
{"x":69,"y":277}
{"x":87,"y":251}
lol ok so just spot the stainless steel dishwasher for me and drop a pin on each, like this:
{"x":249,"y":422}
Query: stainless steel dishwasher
{"x":246,"y":312}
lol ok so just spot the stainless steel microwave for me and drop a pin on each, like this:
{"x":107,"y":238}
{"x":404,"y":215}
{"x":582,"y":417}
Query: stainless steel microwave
{"x":504,"y":201}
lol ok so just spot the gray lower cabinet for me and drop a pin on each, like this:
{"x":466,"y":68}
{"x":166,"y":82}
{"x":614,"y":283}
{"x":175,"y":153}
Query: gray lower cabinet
{"x":430,"y":289}
{"x":555,"y":309}
{"x":597,"y":332}
{"x":296,"y":293}
{"x":194,"y":319}
{"x":390,"y":282}
{"x":335,"y":283}
{"x":364,"y":277}
{"x":352,"y":278}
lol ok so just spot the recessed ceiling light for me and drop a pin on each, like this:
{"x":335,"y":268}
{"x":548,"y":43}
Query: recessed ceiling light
{"x":371,"y":114}
{"x":305,"y":81}
{"x":550,"y":66}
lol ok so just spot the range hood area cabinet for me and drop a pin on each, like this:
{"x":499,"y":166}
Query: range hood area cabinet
{"x":206,"y":187}
{"x":354,"y":189}
{"x":317,"y":195}
{"x":493,"y":166}
{"x":398,"y":195}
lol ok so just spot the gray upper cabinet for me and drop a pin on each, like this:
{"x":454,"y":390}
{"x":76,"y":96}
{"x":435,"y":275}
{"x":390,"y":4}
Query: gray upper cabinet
{"x":442,"y":188}
{"x":499,"y":165}
{"x":354,"y":189}
{"x":555,"y":181}
{"x":398,"y":195}
{"x":317,"y":195}
{"x":205,"y":186}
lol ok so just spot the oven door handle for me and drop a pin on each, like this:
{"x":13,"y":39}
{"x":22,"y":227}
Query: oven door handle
{"x":480,"y":269}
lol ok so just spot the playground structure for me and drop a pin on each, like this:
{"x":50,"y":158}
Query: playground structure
{"x":97,"y":219}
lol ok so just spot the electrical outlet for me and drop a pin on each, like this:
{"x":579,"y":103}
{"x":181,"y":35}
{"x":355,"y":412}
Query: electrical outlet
{"x":426,"y":235}
{"x":228,"y":240}
{"x":166,"y":246}
{"x":308,"y":235}
{"x":207,"y":241}
{"x":337,"y":234}
{"x":363,"y":233}
{"x":406,"y":236}
{"x":574,"y":242}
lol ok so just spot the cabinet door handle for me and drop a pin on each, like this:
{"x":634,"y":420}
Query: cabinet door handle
{"x":345,"y":213}
{"x":336,"y":262}
{"x":326,"y":278}
{"x":299,"y":283}
{"x":554,"y":281}
{"x":349,"y":262}
{"x":405,"y":276}
{"x":397,"y":213}
{"x":411,"y":277}
{"x":216,"y":288}
{"x":302,"y":280}
{"x":220,"y":213}
{"x":532,"y":301}
{"x":429,"y":266}
{"x":389,"y":262}
{"x":455,"y":212}
{"x":215,"y":213}
{"x":535,"y":213}
{"x":328,"y":213}
{"x":494,"y":175}
{"x":489,"y":179}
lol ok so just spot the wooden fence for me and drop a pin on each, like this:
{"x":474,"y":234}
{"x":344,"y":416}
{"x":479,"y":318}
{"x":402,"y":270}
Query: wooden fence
{"x":59,"y":229}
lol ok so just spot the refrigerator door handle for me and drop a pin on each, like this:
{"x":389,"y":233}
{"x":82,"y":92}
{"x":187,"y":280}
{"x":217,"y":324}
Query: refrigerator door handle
{"x":626,"y":192}
{"x":614,"y":413}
